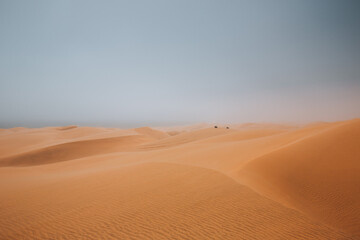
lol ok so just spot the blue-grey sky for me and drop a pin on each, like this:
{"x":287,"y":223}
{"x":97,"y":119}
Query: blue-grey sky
{"x":135,"y":63}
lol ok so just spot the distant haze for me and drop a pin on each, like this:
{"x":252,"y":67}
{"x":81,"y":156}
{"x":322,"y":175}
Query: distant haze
{"x":137,"y":63}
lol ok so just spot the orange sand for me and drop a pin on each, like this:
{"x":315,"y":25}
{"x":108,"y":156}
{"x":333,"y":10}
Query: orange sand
{"x":252,"y":181}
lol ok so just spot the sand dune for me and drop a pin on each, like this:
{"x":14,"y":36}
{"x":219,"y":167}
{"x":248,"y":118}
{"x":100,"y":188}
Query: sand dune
{"x":35,"y":139}
{"x":30,"y":139}
{"x":185,"y":128}
{"x":151,"y":132}
{"x":149,"y":201}
{"x":186,"y":137}
{"x":264,"y":126}
{"x":74,"y":150}
{"x":253,"y":181}
{"x":64,"y":128}
{"x":318,"y":175}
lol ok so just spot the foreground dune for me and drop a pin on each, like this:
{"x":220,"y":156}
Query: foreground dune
{"x":318,"y":175}
{"x":151,"y":200}
{"x":253,"y":181}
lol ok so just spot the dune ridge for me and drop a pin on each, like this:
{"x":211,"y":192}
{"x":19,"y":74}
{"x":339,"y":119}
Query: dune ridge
{"x":73,"y":150}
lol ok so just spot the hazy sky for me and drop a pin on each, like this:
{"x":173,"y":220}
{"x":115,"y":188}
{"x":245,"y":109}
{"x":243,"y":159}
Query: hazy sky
{"x":134,"y":63}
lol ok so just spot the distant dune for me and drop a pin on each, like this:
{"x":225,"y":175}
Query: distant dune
{"x":67,"y":127}
{"x":252,"y":181}
{"x":151,"y":132}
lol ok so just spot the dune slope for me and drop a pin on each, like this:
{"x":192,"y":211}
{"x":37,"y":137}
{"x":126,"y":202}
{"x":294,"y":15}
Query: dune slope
{"x":74,"y":150}
{"x":148,"y":201}
{"x":318,"y":175}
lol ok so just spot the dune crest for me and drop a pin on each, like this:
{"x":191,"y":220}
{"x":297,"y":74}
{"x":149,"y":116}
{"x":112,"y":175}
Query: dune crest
{"x":66,"y":127}
{"x":157,"y":134}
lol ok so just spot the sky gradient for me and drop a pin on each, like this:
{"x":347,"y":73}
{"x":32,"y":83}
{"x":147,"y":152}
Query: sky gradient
{"x":148,"y":63}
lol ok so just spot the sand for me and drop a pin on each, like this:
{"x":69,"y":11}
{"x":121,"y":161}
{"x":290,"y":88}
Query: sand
{"x":252,"y":181}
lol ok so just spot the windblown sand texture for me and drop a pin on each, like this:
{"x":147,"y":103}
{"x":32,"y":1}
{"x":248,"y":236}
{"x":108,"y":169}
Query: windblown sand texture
{"x":252,"y":181}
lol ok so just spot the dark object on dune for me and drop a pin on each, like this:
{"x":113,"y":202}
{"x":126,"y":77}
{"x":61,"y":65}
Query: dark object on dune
{"x":227,"y":127}
{"x":216,"y":127}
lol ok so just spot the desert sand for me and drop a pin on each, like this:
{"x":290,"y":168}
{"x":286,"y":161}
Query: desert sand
{"x":252,"y":181}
